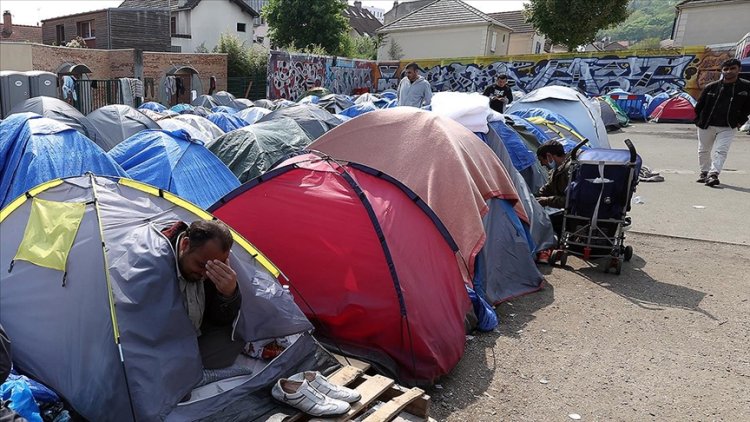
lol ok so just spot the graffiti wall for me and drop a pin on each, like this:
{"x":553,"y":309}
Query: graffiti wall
{"x":291,"y":75}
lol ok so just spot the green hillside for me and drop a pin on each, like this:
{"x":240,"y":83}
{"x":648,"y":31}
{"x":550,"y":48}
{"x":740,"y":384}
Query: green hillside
{"x":648,"y":19}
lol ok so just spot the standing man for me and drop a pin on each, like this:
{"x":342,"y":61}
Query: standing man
{"x":499,"y":93}
{"x":414,"y":90}
{"x":722,"y":108}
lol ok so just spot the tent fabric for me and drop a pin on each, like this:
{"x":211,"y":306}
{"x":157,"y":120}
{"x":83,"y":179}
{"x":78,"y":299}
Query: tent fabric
{"x":436,"y":157}
{"x":655,"y":101}
{"x":207,"y":127}
{"x":567,"y":136}
{"x":582,"y":114}
{"x":279,"y":104}
{"x":118,"y":122}
{"x":314,"y":120}
{"x":245,"y":102}
{"x":173,"y":125}
{"x":153,"y":115}
{"x":227,"y":122}
{"x":153,"y":106}
{"x":674,"y":110}
{"x":609,"y":117}
{"x":335,"y":103}
{"x":547,"y":115}
{"x":66,"y":335}
{"x":620,"y":114}
{"x":223,"y":98}
{"x":353,"y":263}
{"x":35,"y":149}
{"x":61,"y":111}
{"x":520,"y":154}
{"x":268,"y":104}
{"x":206,"y":101}
{"x":181,"y":108}
{"x":224,"y":109}
{"x":251,"y":151}
{"x":252,"y":115}
{"x":173,"y":162}
{"x":359,"y":109}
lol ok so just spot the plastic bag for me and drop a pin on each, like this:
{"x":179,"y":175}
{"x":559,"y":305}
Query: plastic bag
{"x":486,"y":316}
{"x":42,"y":394}
{"x":21,"y":399}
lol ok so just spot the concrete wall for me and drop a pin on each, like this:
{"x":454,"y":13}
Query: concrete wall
{"x":15,"y":56}
{"x":712,"y":23}
{"x":502,"y":37}
{"x":462,"y":41}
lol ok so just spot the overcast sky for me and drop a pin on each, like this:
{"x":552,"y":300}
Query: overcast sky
{"x":31,"y":12}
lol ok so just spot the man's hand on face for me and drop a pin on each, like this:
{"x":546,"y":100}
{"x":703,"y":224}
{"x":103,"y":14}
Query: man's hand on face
{"x":223,"y":277}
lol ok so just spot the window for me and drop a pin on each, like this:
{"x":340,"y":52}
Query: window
{"x":503,"y":38}
{"x":493,"y":46}
{"x":86,"y":29}
{"x":60,"y":31}
{"x":173,"y":25}
{"x":240,"y":27}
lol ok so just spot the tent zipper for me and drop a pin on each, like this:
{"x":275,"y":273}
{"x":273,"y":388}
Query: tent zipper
{"x":10,"y":268}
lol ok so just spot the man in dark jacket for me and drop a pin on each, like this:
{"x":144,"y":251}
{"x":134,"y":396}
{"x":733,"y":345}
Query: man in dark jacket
{"x":722,"y":108}
{"x":499,"y":93}
{"x":208,"y":286}
{"x":552,"y":155}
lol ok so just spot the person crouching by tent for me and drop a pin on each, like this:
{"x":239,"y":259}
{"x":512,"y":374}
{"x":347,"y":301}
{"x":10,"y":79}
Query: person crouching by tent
{"x":722,"y":108}
{"x":552,"y":195}
{"x":208,"y":286}
{"x":500,"y":93}
{"x":414,"y":90}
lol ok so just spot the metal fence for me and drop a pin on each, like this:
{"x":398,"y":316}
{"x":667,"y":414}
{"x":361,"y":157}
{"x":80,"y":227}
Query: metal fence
{"x":252,"y":87}
{"x":94,"y":93}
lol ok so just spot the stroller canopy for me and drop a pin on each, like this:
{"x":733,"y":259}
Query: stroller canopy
{"x":354,"y":264}
{"x":105,"y":325}
{"x":61,"y":111}
{"x":35,"y":149}
{"x":175,"y":163}
{"x":314,"y":120}
{"x":252,"y":150}
{"x":118,"y":122}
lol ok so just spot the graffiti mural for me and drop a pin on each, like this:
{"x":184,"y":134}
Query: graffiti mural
{"x":291,"y":75}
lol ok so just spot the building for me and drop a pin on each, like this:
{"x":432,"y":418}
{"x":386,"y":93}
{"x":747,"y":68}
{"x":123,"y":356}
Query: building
{"x":403,"y":8}
{"x":710,"y":22}
{"x":362,"y":22}
{"x":22,"y":33}
{"x":261,"y":26}
{"x":111,"y":29}
{"x":197,"y":25}
{"x":444,"y":29}
{"x":377,"y":12}
{"x":525,"y":39}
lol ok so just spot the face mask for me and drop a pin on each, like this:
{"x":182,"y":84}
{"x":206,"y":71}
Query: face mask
{"x":551,"y":164}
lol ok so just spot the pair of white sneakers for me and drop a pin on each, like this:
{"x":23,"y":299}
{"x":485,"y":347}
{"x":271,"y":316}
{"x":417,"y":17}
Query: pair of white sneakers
{"x":313,"y":394}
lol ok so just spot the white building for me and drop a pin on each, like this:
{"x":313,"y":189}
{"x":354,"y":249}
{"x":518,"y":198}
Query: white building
{"x":708,"y":22}
{"x":376,"y":11}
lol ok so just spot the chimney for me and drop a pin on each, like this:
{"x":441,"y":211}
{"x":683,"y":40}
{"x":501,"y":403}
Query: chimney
{"x":7,"y":24}
{"x":358,"y":5}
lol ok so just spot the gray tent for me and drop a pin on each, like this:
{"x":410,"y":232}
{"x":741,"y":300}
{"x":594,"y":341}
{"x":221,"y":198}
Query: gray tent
{"x":264,"y":103}
{"x":224,"y":98}
{"x":335,"y":103}
{"x":206,"y":101}
{"x":252,"y":150}
{"x":609,"y":116}
{"x":118,"y":122}
{"x":97,"y":319}
{"x":61,"y":111}
{"x":314,"y":120}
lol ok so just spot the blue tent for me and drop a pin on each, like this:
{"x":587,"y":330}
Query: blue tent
{"x":224,"y":109}
{"x":227,"y":122}
{"x":547,"y":115}
{"x":153,"y":106}
{"x":359,"y":109}
{"x":180,"y":108}
{"x":173,"y":162}
{"x":655,"y":101}
{"x":35,"y":149}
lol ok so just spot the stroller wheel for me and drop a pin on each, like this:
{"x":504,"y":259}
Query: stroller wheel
{"x":628,"y":253}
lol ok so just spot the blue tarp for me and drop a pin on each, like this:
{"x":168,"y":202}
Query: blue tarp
{"x":359,"y":109}
{"x":520,"y":154}
{"x":153,"y":106}
{"x":224,"y":109}
{"x":173,"y":162}
{"x":34,"y":150}
{"x":179,"y":108}
{"x":547,"y":115}
{"x":227,"y":122}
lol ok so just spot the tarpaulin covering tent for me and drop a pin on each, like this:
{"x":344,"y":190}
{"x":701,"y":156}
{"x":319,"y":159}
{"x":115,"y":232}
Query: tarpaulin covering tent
{"x":279,"y":104}
{"x":35,"y":149}
{"x":447,"y":166}
{"x":153,"y":106}
{"x":335,"y":103}
{"x":252,"y":150}
{"x":252,"y":115}
{"x":97,"y":315}
{"x":181,"y":108}
{"x":520,"y":146}
{"x":358,"y":109}
{"x":245,"y":102}
{"x":175,"y":163}
{"x":223,"y":98}
{"x":209,"y":129}
{"x":224,"y":109}
{"x":345,"y":235}
{"x":154,"y":115}
{"x":201,"y":111}
{"x":314,"y":120}
{"x":582,"y":114}
{"x":173,"y":125}
{"x":61,"y":111}
{"x":227,"y":122}
{"x":264,"y":103}
{"x":206,"y":101}
{"x":118,"y":122}
{"x":674,"y":110}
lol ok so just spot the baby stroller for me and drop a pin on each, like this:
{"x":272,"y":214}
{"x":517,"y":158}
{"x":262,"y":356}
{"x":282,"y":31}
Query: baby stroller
{"x":602,"y":181}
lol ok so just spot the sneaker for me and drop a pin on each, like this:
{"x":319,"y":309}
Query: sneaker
{"x":321,"y":383}
{"x":703,"y":178}
{"x":712,"y":180}
{"x":302,"y":396}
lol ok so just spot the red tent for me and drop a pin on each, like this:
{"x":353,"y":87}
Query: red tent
{"x":674,"y":110}
{"x":368,"y":261}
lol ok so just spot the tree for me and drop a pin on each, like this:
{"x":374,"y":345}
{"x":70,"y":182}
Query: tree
{"x":574,"y":22}
{"x":395,"y":52}
{"x":242,"y":60}
{"x":648,"y":19}
{"x":305,"y":23}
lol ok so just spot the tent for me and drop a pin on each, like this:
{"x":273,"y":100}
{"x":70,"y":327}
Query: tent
{"x":201,"y":111}
{"x":206,"y":101}
{"x":153,"y":106}
{"x":100,"y":319}
{"x":181,"y":108}
{"x":118,"y":122}
{"x":208,"y":128}
{"x":61,"y":111}
{"x":520,"y":146}
{"x":224,"y":109}
{"x":245,"y":102}
{"x":455,"y":173}
{"x":252,"y":150}
{"x":34,"y":149}
{"x":656,"y":100}
{"x":227,"y":122}
{"x":314,"y":120}
{"x":282,"y":103}
{"x":620,"y":114}
{"x":582,"y":113}
{"x":345,"y":234}
{"x":264,"y":103}
{"x":252,"y":115}
{"x":567,"y":136}
{"x":674,"y":110}
{"x":358,"y":109}
{"x":335,"y":103}
{"x":175,"y":163}
{"x":173,"y":125}
{"x":153,"y":115}
{"x":609,"y":116}
{"x":224,"y":98}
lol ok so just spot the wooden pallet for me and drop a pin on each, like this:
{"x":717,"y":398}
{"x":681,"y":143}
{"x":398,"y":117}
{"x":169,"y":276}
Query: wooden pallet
{"x":382,"y":399}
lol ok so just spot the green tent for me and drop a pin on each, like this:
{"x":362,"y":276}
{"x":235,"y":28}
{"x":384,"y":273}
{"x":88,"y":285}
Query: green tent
{"x":622,"y":116}
{"x":252,"y":150}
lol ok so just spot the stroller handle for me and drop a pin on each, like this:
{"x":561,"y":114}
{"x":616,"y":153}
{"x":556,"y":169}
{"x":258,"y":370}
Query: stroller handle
{"x":574,"y":151}
{"x":631,"y":148}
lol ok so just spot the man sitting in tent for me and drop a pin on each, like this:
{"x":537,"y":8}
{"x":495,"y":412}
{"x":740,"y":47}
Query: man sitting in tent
{"x":552,"y":155}
{"x":208,"y":286}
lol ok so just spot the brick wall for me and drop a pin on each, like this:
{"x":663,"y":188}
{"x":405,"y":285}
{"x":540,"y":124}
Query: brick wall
{"x":50,"y":58}
{"x":70,"y":24}
{"x":156,"y":65}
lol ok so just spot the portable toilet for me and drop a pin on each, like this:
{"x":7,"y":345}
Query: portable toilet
{"x":14,"y":88}
{"x":42,"y":84}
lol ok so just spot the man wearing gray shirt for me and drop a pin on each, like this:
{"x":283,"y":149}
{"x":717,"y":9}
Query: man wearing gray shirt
{"x":414,"y":90}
